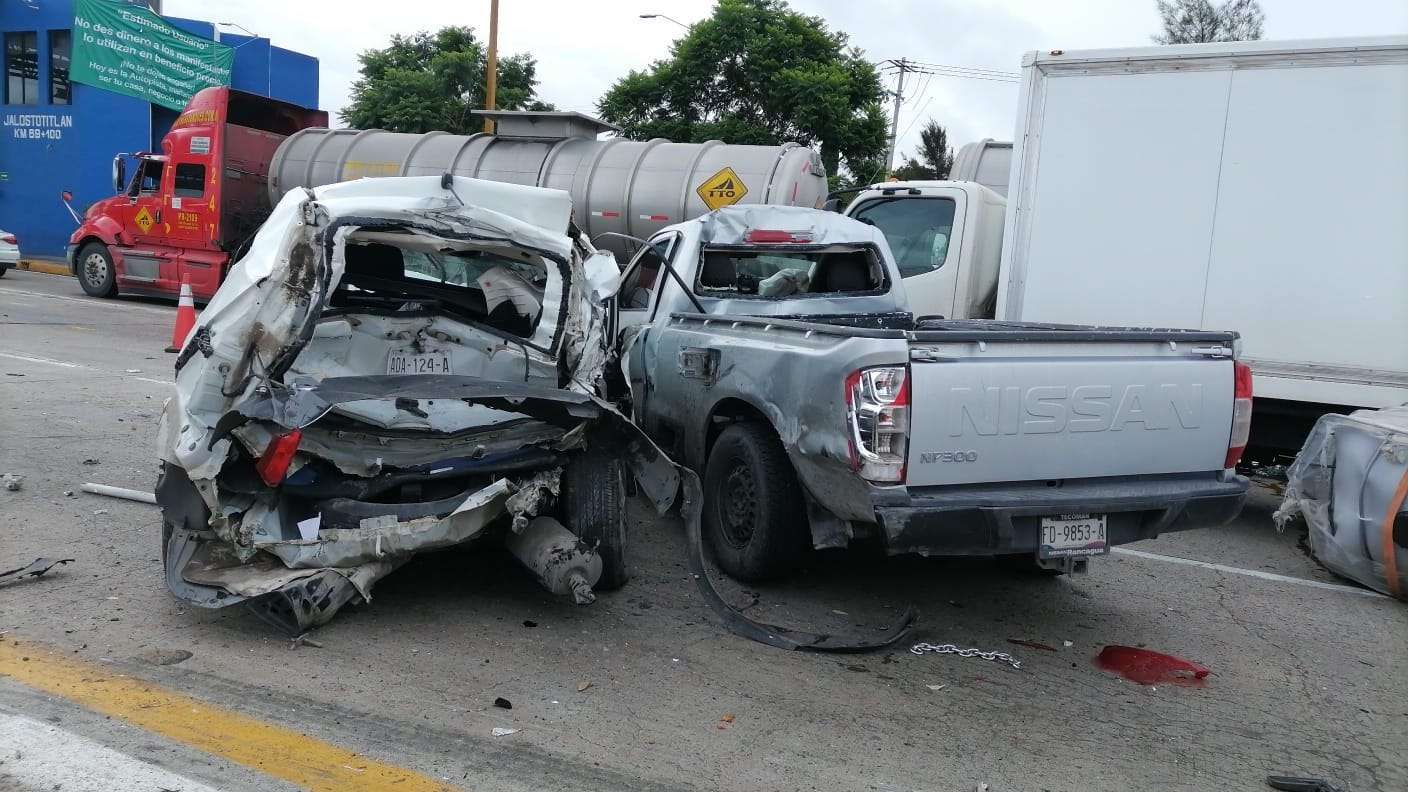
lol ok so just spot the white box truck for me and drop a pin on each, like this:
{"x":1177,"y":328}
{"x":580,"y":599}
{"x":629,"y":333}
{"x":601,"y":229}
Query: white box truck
{"x":1260,"y":187}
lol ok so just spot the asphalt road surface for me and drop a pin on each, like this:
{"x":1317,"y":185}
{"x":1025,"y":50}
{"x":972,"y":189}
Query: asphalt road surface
{"x":643,"y":689}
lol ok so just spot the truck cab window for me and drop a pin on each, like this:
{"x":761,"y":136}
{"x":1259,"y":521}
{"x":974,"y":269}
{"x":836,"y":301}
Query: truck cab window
{"x":147,"y":179}
{"x":190,"y":180}
{"x":917,"y":229}
{"x":640,"y":283}
{"x":737,"y":271}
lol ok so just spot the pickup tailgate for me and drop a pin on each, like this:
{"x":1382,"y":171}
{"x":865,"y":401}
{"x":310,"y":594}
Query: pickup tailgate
{"x":1048,"y":403}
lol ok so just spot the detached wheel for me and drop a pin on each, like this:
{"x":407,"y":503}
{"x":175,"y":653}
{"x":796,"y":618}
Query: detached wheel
{"x":95,"y":271}
{"x":593,"y":506}
{"x":754,"y":516}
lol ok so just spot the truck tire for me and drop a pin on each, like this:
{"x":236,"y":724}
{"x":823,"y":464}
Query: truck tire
{"x":754,"y":516}
{"x":95,"y":271}
{"x":593,"y":506}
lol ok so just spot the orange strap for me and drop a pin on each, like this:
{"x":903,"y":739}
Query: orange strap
{"x":1390,"y":551}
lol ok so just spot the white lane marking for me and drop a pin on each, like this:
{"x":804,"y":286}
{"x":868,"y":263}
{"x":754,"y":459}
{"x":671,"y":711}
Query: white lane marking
{"x":42,"y":757}
{"x":90,"y":301}
{"x":1256,"y":573}
{"x":68,"y":364}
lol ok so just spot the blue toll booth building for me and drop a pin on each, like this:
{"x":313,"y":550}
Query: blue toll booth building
{"x":58,"y":134}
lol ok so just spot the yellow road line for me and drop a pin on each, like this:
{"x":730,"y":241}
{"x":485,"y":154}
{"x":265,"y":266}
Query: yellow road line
{"x":273,"y":750}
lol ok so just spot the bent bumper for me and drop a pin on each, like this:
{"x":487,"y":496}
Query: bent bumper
{"x":1006,"y":518}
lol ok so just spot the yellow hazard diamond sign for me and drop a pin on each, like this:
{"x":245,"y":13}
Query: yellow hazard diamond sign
{"x":722,"y":189}
{"x":143,"y":219}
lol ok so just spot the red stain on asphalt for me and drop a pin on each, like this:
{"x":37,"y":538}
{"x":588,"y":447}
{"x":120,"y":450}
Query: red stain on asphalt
{"x":1151,"y":668}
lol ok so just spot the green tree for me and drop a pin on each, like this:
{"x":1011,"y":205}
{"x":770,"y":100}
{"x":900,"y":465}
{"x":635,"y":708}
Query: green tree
{"x":935,"y":157}
{"x":758,"y":72}
{"x":429,"y":81}
{"x":1197,"y":21}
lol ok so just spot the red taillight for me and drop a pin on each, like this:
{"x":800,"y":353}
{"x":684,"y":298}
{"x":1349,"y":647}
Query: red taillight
{"x":9,"y":239}
{"x":762,"y":236}
{"x":278,"y":455}
{"x":1241,"y":413}
{"x":877,"y":414}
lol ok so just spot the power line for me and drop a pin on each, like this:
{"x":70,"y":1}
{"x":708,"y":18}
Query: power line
{"x":970,"y":69}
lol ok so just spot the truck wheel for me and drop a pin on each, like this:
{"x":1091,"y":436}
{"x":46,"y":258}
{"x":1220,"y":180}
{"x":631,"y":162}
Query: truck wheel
{"x":754,"y":517}
{"x":95,"y":271}
{"x":593,"y":506}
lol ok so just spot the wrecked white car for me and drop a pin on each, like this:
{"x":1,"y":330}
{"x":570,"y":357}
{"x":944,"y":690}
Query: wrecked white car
{"x":399,"y":365}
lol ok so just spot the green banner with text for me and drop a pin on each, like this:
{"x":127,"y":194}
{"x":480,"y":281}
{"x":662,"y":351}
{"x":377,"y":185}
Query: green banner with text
{"x":130,"y":50}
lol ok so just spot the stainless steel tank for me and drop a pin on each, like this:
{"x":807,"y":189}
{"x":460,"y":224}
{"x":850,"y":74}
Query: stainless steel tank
{"x":626,"y":186}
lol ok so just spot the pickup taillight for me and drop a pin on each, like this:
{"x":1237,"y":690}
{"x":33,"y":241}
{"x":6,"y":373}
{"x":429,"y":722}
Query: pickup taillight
{"x":9,"y":239}
{"x":877,"y":416}
{"x":278,"y":455}
{"x":1241,"y":413}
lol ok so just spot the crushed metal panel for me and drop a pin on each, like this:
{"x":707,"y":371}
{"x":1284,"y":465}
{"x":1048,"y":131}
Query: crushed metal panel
{"x":1350,"y":483}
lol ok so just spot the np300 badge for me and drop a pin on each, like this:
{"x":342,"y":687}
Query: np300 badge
{"x":930,"y":457}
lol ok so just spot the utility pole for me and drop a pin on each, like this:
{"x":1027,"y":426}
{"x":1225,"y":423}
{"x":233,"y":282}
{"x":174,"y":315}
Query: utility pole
{"x":491,"y":64}
{"x":903,"y":65}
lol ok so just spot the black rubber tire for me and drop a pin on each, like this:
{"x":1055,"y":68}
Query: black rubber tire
{"x":95,"y":285}
{"x":755,"y":519}
{"x":593,"y":506}
{"x":3,"y":270}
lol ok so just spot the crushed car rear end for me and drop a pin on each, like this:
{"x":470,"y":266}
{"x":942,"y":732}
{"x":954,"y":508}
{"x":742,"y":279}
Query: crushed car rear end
{"x":397,"y":366}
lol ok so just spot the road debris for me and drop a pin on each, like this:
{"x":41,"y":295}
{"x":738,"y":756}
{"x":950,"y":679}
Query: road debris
{"x":1068,"y":644}
{"x":499,"y":731}
{"x":34,"y":570}
{"x":529,"y":623}
{"x":936,"y":688}
{"x":1147,"y":667}
{"x":725,"y":721}
{"x":164,"y":656}
{"x":582,"y":686}
{"x":1031,"y":644}
{"x":503,"y":703}
{"x":1297,"y":784}
{"x":922,"y":647}
{"x":303,"y":640}
{"x":119,"y":492}
{"x":13,"y":481}
{"x":91,"y":462}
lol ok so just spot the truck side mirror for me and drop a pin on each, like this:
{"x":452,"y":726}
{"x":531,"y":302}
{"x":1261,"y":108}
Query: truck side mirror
{"x":119,"y":174}
{"x":831,"y":205}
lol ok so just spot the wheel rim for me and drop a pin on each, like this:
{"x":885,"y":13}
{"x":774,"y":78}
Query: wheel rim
{"x":739,"y":505}
{"x":95,"y":269}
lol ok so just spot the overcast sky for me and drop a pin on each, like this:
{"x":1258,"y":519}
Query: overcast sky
{"x":582,"y":47}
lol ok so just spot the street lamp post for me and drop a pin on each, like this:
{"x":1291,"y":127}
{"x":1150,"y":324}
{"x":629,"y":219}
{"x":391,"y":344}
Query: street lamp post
{"x":666,"y":18}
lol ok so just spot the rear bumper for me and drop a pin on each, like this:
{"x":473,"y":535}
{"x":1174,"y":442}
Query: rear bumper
{"x":1005,"y":518}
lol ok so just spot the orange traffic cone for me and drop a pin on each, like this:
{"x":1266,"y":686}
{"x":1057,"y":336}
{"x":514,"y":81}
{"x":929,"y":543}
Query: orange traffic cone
{"x":185,"y":317}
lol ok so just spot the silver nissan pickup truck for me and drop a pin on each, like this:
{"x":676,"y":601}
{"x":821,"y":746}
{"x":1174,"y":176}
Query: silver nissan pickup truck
{"x":772,"y":350}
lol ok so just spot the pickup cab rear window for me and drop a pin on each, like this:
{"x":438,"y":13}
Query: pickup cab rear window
{"x":917,"y":229}
{"x":737,"y":271}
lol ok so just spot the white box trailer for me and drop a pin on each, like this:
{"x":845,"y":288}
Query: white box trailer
{"x":1254,"y":186}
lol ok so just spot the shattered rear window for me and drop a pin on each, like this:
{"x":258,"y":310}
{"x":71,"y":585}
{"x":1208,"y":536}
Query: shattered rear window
{"x":752,"y":271}
{"x":495,"y":289}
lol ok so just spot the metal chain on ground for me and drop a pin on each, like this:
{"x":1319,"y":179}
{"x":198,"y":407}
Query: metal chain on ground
{"x":922,"y":647}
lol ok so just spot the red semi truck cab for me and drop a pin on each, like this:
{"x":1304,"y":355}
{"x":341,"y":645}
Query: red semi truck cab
{"x":181,"y":214}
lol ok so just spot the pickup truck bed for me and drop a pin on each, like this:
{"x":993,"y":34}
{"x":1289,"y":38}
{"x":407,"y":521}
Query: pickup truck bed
{"x":982,"y":467}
